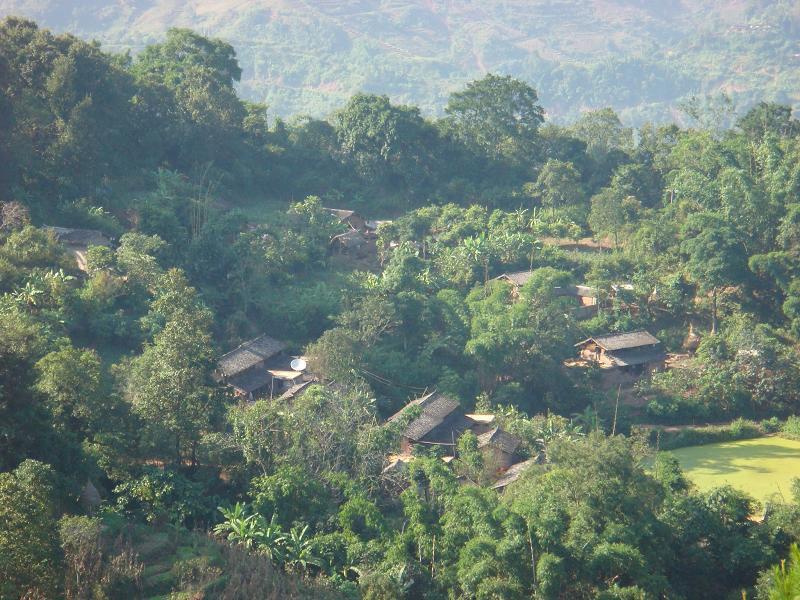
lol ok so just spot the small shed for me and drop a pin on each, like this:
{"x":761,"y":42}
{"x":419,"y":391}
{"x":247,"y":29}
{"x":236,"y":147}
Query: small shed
{"x":634,"y":351}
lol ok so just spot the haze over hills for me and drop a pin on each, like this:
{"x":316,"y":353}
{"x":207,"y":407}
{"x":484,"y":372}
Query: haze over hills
{"x":639,"y":56}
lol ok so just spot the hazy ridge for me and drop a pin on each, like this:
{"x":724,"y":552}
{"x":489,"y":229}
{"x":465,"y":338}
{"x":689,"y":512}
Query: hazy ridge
{"x":638,"y":56}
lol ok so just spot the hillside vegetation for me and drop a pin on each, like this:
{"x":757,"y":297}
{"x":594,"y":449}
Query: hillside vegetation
{"x":637,"y":56}
{"x":166,"y":251}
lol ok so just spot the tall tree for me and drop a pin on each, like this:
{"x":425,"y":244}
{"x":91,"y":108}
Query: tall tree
{"x":169,"y":384}
{"x":497,"y":116}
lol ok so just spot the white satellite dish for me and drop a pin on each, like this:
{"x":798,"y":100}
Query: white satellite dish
{"x":298,"y":364}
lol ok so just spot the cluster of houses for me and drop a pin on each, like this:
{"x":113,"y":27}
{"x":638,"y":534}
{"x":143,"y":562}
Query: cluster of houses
{"x":588,"y":300}
{"x":261,"y":367}
{"x":439,"y":421}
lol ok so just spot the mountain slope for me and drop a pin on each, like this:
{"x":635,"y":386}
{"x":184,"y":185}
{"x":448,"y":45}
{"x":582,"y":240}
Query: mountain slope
{"x":638,"y":56}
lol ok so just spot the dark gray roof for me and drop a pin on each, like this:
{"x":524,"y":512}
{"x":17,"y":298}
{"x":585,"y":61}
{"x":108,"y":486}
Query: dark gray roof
{"x":576,"y":290}
{"x":79,"y":237}
{"x":513,"y":473}
{"x":435,"y":409}
{"x":248,"y":355}
{"x":297,"y":390}
{"x":519,"y":278}
{"x":636,"y":356}
{"x":250,"y":381}
{"x":620,"y":341}
{"x":499,"y":439}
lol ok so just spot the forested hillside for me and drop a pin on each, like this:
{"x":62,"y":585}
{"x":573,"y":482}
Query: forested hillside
{"x":640,"y":57}
{"x":382,"y":355}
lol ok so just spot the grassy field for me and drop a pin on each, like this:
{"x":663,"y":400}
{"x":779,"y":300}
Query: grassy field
{"x":761,"y":467}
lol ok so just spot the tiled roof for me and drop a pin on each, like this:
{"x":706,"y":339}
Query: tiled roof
{"x":620,"y":341}
{"x":583,"y":291}
{"x":248,"y":355}
{"x":513,"y":473}
{"x":296,"y":390}
{"x":250,"y":381}
{"x":519,"y":278}
{"x":499,"y":439}
{"x":435,"y":409}
{"x":636,"y":356}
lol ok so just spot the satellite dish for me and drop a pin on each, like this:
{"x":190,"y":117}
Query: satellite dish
{"x":298,"y":364}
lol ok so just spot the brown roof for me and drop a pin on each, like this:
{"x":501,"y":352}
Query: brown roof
{"x":435,"y":409}
{"x":519,"y":278}
{"x":499,"y":439}
{"x":248,"y":355}
{"x":620,"y":341}
{"x":513,"y":473}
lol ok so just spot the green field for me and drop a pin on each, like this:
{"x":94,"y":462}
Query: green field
{"x":761,"y":467}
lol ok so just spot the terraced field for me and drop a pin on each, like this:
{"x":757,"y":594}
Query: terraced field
{"x":761,"y":467}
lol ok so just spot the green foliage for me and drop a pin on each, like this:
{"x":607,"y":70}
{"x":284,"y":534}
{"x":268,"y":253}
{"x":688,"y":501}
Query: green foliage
{"x":30,"y":562}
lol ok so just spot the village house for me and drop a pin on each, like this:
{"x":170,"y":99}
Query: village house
{"x":258,"y":368}
{"x":634,"y":352}
{"x":78,"y":241}
{"x":441,"y":421}
{"x":516,"y":279}
{"x":498,"y":448}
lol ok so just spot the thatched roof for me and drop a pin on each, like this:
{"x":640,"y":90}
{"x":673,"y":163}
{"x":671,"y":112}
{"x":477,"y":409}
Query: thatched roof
{"x":621,"y":341}
{"x":499,"y":439}
{"x":248,"y":355}
{"x":436,"y":408}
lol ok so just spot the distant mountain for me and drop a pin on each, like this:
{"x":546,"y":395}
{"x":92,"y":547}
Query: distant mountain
{"x":309,"y":56}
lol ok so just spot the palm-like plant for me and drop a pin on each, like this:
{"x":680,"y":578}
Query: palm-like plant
{"x":238,"y":527}
{"x":479,"y":251}
{"x":270,"y":539}
{"x":28,"y":296}
{"x":786,"y":580}
{"x":298,"y":550}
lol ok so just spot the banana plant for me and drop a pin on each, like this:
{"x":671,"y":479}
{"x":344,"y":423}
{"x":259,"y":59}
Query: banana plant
{"x":298,"y":550}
